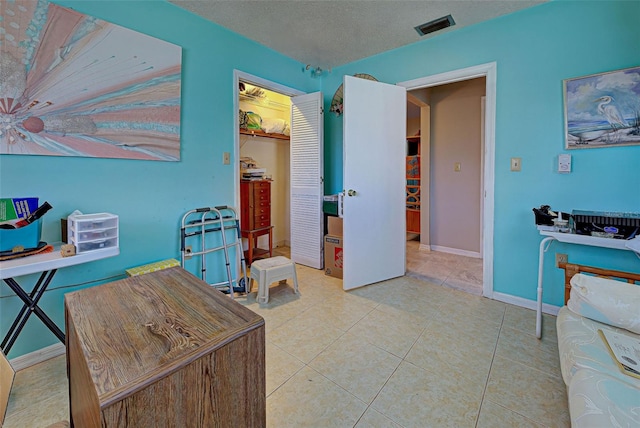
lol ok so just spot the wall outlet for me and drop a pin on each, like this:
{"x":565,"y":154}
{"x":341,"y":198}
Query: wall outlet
{"x":561,"y":258}
{"x":187,"y":251}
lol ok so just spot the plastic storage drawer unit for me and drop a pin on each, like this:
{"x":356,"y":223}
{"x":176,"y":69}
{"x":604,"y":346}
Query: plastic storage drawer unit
{"x":90,"y":232}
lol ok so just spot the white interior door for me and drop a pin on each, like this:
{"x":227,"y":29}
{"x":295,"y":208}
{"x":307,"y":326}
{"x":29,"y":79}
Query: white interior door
{"x":374,"y":153}
{"x":307,"y":182}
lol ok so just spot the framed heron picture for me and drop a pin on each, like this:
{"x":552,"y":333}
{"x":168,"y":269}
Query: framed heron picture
{"x":602,"y":110}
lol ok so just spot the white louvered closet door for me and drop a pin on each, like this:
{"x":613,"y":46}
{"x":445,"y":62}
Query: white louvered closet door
{"x":307,"y":182}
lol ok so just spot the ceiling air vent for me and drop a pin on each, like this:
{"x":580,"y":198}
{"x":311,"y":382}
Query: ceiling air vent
{"x":435,"y":25}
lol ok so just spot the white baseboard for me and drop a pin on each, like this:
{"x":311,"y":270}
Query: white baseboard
{"x":525,"y":303}
{"x":474,"y":254}
{"x":38,"y":356}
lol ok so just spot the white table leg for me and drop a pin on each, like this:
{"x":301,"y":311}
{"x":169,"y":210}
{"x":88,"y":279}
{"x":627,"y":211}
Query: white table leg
{"x":543,"y":250}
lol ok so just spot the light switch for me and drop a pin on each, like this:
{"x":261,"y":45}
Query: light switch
{"x":457,"y":167}
{"x":516,"y":164}
{"x":226,"y":158}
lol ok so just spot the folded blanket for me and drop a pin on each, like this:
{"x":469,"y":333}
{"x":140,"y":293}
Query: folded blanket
{"x":273,"y":126}
{"x":42,"y":247}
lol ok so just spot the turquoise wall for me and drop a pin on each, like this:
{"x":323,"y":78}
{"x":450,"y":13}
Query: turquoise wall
{"x":149,"y":197}
{"x":535,"y":50}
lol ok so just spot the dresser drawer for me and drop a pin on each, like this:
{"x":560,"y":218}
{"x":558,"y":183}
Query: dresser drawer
{"x":262,"y":208}
{"x":263,"y":224}
{"x":260,"y":220}
{"x":261,"y":184}
{"x":257,"y":217}
{"x":261,"y":192}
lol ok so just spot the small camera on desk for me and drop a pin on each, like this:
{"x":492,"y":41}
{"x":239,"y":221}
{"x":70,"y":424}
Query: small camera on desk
{"x":546,"y":219}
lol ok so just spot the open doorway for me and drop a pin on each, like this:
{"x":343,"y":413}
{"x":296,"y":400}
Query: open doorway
{"x":431,"y":90}
{"x":449,"y":252}
{"x":262,"y":169}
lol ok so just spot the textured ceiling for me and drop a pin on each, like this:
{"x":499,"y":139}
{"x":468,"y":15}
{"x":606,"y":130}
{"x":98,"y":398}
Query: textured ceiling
{"x":329,"y":33}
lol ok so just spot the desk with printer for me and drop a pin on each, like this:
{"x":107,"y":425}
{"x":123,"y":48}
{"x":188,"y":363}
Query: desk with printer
{"x":601,"y":224}
{"x":597,"y":328}
{"x":592,"y":228}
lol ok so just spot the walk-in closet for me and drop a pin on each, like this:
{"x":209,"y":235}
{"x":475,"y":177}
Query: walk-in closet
{"x":264,"y":145}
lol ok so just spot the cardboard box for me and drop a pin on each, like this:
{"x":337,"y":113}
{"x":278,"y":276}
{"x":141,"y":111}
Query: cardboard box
{"x":15,"y":208}
{"x":333,"y":256}
{"x":7,"y":374}
{"x":334,"y":226}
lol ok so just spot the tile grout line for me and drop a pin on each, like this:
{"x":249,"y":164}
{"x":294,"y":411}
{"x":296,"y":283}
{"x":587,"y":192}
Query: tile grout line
{"x":503,"y":326}
{"x":493,"y":356}
{"x":402,"y":359}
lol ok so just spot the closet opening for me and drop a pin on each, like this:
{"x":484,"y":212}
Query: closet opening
{"x":264,"y":168}
{"x":294,"y":164}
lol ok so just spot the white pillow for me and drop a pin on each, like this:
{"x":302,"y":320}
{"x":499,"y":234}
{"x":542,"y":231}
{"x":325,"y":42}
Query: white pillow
{"x":272,"y":125}
{"x":606,"y":300}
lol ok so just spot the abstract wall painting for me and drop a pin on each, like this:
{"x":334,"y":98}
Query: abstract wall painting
{"x":603,"y":110}
{"x":74,"y":85}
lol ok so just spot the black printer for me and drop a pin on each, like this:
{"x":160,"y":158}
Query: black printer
{"x":606,"y":224}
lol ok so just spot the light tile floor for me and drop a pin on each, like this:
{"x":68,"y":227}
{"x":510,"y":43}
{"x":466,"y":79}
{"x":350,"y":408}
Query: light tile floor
{"x":400,"y":353}
{"x":451,"y":270}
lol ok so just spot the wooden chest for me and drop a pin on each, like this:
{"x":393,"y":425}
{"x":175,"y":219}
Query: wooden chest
{"x":255,"y":204}
{"x":163,"y":349}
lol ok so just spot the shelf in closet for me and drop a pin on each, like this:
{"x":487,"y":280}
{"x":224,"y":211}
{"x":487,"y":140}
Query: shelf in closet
{"x":264,"y":102}
{"x":257,"y":133}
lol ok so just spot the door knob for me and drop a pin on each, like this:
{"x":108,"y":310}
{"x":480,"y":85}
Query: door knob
{"x":351,"y":192}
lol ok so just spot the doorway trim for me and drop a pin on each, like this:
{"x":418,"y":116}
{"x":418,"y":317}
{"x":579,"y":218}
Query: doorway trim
{"x":489,"y":71}
{"x":263,"y":83}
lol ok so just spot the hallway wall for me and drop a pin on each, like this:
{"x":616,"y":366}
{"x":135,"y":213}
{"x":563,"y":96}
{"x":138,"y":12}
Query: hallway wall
{"x":456,"y":138}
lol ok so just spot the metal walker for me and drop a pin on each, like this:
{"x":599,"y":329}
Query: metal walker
{"x":201,"y":222}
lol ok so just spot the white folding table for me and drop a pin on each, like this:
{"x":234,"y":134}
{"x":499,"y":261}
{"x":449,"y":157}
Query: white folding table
{"x":47,"y":264}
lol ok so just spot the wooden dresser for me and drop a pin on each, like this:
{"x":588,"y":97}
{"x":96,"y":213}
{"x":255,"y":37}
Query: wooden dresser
{"x":163,"y":349}
{"x":255,"y":216}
